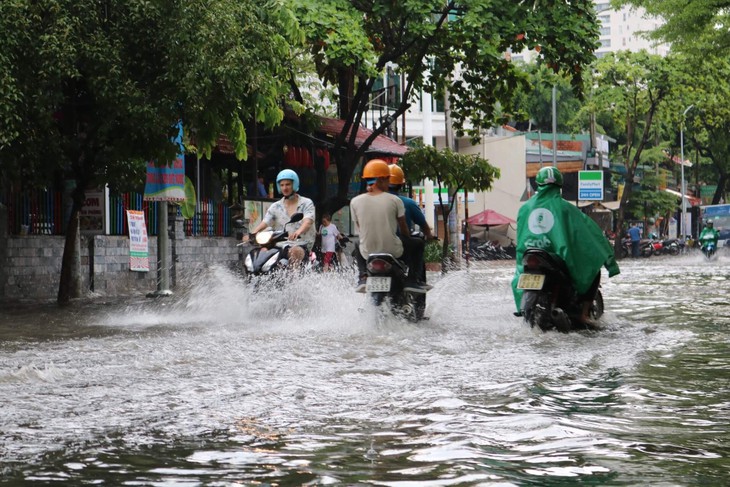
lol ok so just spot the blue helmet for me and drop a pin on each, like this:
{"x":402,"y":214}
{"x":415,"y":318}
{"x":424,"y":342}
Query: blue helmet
{"x":289,"y":174}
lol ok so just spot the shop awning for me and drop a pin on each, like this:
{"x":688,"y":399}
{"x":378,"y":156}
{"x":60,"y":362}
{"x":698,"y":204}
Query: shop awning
{"x":489,"y":217}
{"x":381,"y":145}
{"x":693,"y":201}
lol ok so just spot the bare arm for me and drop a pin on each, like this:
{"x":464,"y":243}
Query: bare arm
{"x":427,"y":231}
{"x":306,"y":225}
{"x":403,"y":226}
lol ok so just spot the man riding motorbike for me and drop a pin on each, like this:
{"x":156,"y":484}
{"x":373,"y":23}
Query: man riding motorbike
{"x":709,"y":234}
{"x":281,"y":211}
{"x":414,"y":215}
{"x":378,"y":215}
{"x":549,"y":222}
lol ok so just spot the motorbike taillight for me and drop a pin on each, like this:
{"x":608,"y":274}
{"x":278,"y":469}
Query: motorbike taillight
{"x":379,"y":266}
{"x":531,"y":262}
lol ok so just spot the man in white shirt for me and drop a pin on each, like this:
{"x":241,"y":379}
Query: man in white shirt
{"x":281,"y":211}
{"x":378,"y":215}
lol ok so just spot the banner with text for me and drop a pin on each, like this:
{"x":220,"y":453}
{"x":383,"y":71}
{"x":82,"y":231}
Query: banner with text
{"x":138,"y":249}
{"x":166,"y":182}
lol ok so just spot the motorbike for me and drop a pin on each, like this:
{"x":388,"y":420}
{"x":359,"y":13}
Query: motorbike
{"x":385,"y":283}
{"x":649,"y":247}
{"x":549,"y":300}
{"x":669,"y":246}
{"x":625,"y":247}
{"x":708,"y":248}
{"x":265,"y":255}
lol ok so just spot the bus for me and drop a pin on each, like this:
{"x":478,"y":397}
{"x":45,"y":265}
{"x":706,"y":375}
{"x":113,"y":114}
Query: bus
{"x":720,"y":215}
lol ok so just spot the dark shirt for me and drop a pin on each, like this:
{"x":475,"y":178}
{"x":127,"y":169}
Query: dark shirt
{"x":414,"y":215}
{"x":635,"y":234}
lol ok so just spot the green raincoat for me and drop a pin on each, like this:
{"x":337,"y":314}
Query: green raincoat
{"x":549,"y":222}
{"x":709,"y":235}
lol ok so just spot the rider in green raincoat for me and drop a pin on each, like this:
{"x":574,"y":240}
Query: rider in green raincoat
{"x":709,"y":234}
{"x":549,"y":222}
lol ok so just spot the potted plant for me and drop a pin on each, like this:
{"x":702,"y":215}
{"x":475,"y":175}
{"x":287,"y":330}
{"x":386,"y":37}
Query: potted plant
{"x":432,"y":256}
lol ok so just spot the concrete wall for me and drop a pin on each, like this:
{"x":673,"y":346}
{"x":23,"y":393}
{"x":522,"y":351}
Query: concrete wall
{"x":508,"y":154}
{"x":30,"y":266}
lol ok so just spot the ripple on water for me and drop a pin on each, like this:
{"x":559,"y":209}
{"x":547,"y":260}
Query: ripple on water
{"x":306,"y":383}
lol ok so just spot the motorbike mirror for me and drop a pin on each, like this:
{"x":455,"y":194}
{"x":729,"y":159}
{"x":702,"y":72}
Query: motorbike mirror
{"x":296,"y":217}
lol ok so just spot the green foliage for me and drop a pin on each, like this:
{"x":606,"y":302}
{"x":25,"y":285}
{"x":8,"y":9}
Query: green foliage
{"x":634,"y":88}
{"x":699,"y":27}
{"x":91,"y":90}
{"x":432,"y":252}
{"x":450,"y":170}
{"x":703,"y":91}
{"x":536,"y":104}
{"x":650,"y":201}
{"x":440,"y":47}
{"x":87,"y":86}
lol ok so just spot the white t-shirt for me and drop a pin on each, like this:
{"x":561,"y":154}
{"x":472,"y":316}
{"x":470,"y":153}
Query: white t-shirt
{"x":329,"y":237}
{"x":376,"y":217}
{"x":276,"y":217}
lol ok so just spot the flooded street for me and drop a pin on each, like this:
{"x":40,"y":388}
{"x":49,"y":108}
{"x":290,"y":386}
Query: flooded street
{"x":219,"y":386}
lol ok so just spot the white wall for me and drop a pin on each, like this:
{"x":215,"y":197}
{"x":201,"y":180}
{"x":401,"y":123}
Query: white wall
{"x":508,"y":154}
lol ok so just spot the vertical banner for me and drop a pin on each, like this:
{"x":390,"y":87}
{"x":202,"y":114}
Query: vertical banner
{"x":138,"y":250}
{"x":166,"y":182}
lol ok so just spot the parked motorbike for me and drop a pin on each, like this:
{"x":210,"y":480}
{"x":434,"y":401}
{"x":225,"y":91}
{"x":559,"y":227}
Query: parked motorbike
{"x":265,"y":255}
{"x":669,"y":246}
{"x":647,"y":248}
{"x":490,"y":251}
{"x":625,"y":247}
{"x":549,"y":300}
{"x":385,"y":283}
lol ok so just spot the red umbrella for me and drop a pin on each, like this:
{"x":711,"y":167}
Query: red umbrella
{"x":489,"y":217}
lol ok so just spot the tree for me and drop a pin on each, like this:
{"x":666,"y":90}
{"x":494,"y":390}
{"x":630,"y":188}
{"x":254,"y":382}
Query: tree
{"x":90,"y":91}
{"x":704,"y":85}
{"x":699,"y":27}
{"x":535,"y":105}
{"x":633,"y":88}
{"x":450,"y":170}
{"x":435,"y":45}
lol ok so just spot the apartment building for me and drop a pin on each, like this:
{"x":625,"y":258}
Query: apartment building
{"x":623,"y":30}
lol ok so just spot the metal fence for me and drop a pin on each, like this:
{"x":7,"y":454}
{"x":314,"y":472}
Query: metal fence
{"x":42,"y":212}
{"x":37,"y":212}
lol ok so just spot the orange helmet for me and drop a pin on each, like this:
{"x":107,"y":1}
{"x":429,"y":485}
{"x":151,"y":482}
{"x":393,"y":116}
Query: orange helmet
{"x":397,"y":176}
{"x":377,"y":168}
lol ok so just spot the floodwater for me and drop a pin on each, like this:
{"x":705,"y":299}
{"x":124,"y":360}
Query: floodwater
{"x":304,"y":386}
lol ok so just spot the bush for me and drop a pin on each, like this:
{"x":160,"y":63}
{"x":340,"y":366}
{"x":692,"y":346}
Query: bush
{"x":432,"y":251}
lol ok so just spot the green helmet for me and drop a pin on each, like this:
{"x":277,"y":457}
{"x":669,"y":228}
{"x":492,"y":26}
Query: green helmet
{"x":549,"y":175}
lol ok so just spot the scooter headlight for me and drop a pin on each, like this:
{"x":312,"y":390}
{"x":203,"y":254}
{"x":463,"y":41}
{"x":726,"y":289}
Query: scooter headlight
{"x":263,"y":237}
{"x":249,"y":263}
{"x":270,"y":263}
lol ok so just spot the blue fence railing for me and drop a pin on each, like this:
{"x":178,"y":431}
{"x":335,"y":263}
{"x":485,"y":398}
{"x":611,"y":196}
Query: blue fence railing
{"x":41,"y":212}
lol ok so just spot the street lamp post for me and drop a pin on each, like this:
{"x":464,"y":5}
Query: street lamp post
{"x":681,"y":151}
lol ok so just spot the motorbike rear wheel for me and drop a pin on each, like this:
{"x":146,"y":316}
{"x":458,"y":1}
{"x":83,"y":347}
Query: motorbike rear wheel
{"x":537,"y":310}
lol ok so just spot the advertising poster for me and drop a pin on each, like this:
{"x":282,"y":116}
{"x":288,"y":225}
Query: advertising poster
{"x":138,"y":249}
{"x":92,"y":213}
{"x":166,"y":182}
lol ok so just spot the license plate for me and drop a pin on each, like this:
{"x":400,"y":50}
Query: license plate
{"x":531,"y":281}
{"x":378,"y":284}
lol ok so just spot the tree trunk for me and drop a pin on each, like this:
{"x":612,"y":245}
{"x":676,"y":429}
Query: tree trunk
{"x":69,"y":286}
{"x":720,"y":190}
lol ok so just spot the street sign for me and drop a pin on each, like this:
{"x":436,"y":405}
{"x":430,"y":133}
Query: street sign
{"x":590,"y":185}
